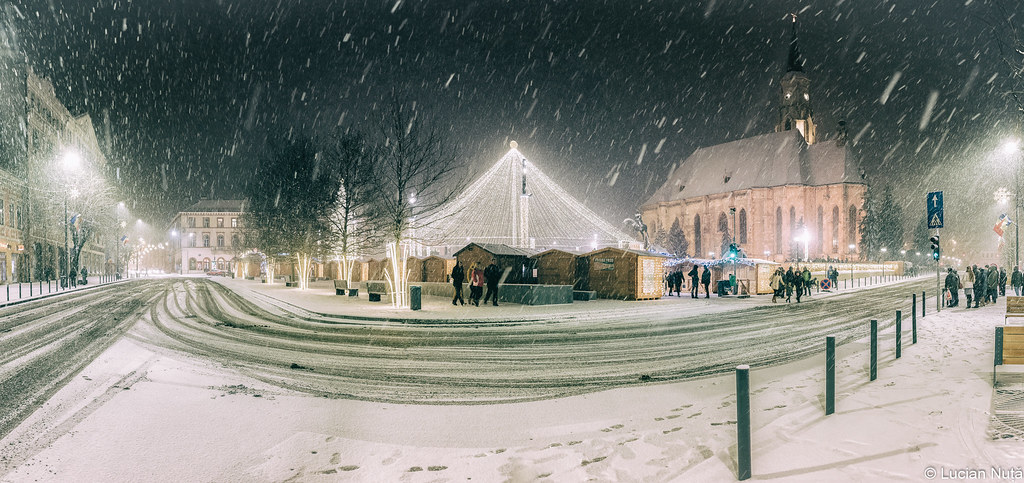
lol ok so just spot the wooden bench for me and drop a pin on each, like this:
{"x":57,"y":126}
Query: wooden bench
{"x":1009,"y":347}
{"x":375,"y":289}
{"x":340,"y":286}
{"x":1014,"y":308}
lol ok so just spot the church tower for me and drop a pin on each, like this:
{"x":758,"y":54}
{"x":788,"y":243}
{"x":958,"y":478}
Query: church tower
{"x":795,"y":104}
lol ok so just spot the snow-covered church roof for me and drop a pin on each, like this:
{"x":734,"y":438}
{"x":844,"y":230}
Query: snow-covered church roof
{"x":769,"y":160}
{"x":494,"y":209}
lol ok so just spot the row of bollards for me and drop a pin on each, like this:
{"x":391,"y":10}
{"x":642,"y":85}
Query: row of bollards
{"x":743,"y":382}
{"x":37,"y":287}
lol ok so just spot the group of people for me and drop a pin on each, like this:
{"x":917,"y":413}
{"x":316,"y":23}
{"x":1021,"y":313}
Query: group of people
{"x":674,"y":281}
{"x":980,"y":285}
{"x":789,"y":282}
{"x":490,"y":276}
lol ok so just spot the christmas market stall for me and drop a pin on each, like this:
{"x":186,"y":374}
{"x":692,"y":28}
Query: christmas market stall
{"x":626,"y":274}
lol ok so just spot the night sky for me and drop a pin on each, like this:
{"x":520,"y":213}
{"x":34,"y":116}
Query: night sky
{"x":192,"y":89}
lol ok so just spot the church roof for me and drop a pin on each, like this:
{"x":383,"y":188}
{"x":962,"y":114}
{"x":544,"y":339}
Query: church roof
{"x":769,"y":160}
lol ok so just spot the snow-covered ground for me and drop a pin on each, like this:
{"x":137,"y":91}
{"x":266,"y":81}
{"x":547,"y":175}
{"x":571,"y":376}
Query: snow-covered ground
{"x":144,"y":414}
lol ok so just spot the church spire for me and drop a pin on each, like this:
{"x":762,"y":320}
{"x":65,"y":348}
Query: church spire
{"x":796,"y":62}
{"x":795,"y":111}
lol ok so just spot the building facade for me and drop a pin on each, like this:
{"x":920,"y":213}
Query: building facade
{"x":785,"y":195}
{"x":207,"y":236}
{"x":35,"y":193}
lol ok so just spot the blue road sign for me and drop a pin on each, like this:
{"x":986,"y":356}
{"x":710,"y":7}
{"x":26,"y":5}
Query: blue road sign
{"x":934,"y":203}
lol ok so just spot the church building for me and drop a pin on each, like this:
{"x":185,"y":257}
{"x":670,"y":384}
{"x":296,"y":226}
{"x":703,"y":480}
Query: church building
{"x":785,"y":195}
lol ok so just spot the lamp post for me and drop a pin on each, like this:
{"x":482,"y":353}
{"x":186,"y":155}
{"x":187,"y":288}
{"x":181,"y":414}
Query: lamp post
{"x":853,"y":248}
{"x":1012,"y":147}
{"x":70,"y":161}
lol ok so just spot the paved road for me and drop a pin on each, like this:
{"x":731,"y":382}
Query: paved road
{"x":43,"y":344}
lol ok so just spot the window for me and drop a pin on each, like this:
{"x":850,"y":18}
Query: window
{"x":234,"y":240}
{"x":835,"y":229}
{"x":191,"y":222}
{"x":743,"y":226}
{"x":698,"y":250}
{"x":3,"y":267}
{"x":723,"y":223}
{"x":852,"y":226}
{"x":206,"y":222}
{"x":191,"y":263}
{"x":792,"y":222}
{"x":192,"y":240}
{"x":2,"y":220}
{"x":220,"y":240}
{"x":778,"y":229}
{"x":234,"y":223}
{"x":821,"y":230}
{"x":206,"y":240}
{"x":21,"y":223}
{"x":220,"y":222}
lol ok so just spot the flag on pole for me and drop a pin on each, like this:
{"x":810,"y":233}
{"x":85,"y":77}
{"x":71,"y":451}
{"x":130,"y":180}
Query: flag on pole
{"x":124,"y":240}
{"x":1003,"y":222}
{"x":74,"y":221}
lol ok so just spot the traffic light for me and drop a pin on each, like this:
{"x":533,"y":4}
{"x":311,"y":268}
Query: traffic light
{"x":734,"y":251}
{"x":935,"y":246}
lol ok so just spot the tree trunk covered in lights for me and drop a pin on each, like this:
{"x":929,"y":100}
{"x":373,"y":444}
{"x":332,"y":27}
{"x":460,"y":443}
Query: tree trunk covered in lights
{"x":291,"y":204}
{"x":354,"y":221}
{"x":416,"y":173}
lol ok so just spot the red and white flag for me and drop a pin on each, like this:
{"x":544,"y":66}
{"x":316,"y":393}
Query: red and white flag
{"x":1003,"y":221}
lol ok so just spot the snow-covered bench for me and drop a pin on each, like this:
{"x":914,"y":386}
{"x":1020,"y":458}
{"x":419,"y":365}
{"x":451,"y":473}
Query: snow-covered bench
{"x":1014,"y":308}
{"x":375,"y":289}
{"x":1009,"y":347}
{"x":340,"y":286}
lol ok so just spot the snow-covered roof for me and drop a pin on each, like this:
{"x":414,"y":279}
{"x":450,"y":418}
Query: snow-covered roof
{"x":498,"y":249}
{"x":217,"y":206}
{"x":774,"y":159}
{"x":493,"y":209}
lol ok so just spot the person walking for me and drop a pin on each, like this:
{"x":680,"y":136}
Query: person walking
{"x":788,"y":280}
{"x":776,"y":284}
{"x":968,"y":282}
{"x":980,"y":286}
{"x":833,"y":274}
{"x":1016,"y":280}
{"x":798,"y":284}
{"x":953,"y":287}
{"x":992,"y":279}
{"x":679,"y":282}
{"x":705,"y":280}
{"x":807,"y":282}
{"x":492,"y":274}
{"x":458,"y":277}
{"x":1002,"y":282}
{"x":476,"y":284}
{"x":694,"y":281}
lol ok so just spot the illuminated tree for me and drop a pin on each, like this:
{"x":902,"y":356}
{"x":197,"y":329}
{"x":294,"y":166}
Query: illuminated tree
{"x":350,"y":160}
{"x":290,"y":209}
{"x":415,"y":175}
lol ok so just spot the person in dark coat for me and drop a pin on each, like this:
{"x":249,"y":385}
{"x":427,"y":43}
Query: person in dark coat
{"x":1002,"y":282}
{"x":458,"y":277}
{"x":694,"y":281}
{"x":798,"y":284}
{"x":705,"y":280}
{"x":678,"y":282}
{"x":833,"y":275}
{"x":953,"y":286}
{"x":476,"y":284}
{"x":980,"y":286}
{"x":1017,"y":280}
{"x":992,"y":279}
{"x":788,"y":279}
{"x":492,"y":274}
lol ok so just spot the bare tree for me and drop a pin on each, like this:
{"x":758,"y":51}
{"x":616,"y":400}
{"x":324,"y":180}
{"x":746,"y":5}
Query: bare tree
{"x":350,"y":159}
{"x":416,"y":173}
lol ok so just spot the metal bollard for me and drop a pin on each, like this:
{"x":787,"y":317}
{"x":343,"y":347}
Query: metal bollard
{"x":899,"y":334}
{"x":873,"y":368}
{"x":913,"y":326}
{"x":830,"y":375}
{"x":923,"y":298}
{"x":743,"y":422}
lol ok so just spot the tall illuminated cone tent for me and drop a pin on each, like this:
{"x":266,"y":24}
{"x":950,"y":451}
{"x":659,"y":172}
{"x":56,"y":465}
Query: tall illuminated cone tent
{"x":515,"y":204}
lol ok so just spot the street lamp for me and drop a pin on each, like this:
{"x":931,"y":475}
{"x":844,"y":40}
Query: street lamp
{"x":853,"y":249}
{"x":71,"y":162}
{"x":1011,"y":147}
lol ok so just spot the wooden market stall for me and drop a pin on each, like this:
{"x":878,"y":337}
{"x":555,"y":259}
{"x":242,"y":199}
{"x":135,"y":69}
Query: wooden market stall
{"x":437,"y":269}
{"x":558,"y":267}
{"x":625,"y":274}
{"x":515,"y":261}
